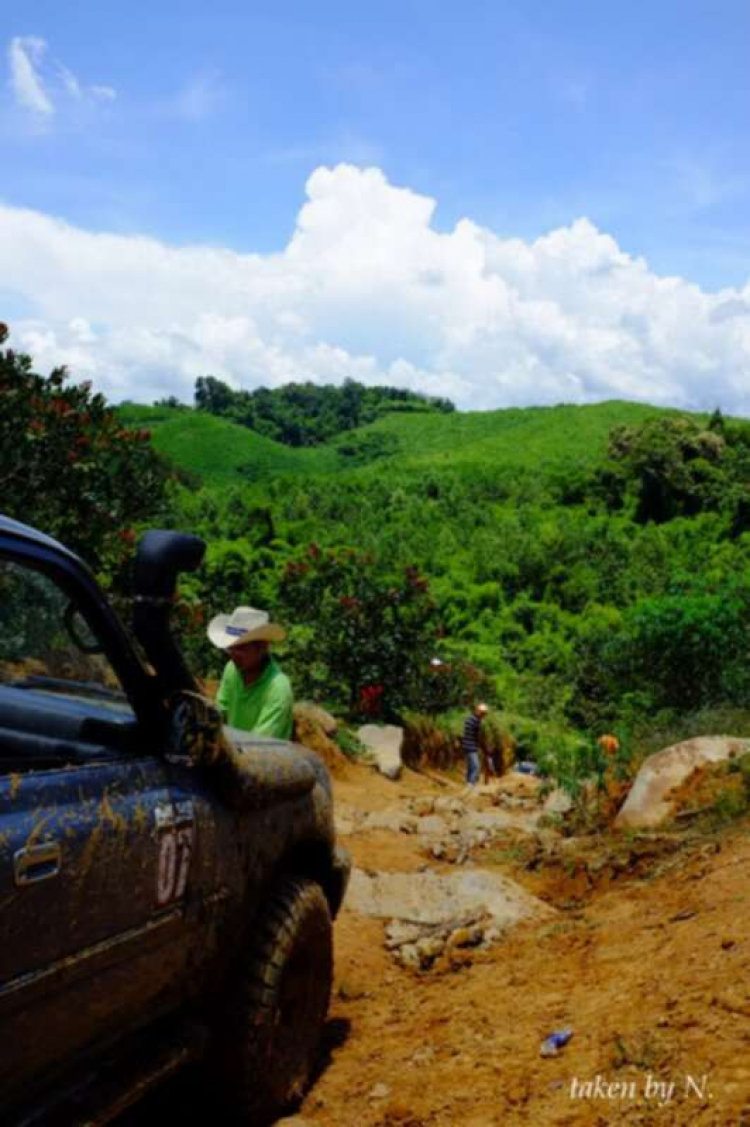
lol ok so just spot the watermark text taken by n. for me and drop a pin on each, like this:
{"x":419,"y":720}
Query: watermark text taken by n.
{"x":649,"y":1088}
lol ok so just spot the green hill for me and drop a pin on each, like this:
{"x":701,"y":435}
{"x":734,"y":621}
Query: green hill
{"x":532,"y":438}
{"x":220,"y":452}
{"x":591,"y":592}
{"x":517,"y":438}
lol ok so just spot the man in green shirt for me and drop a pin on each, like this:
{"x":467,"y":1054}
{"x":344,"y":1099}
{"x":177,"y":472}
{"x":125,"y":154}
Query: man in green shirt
{"x":254,"y":694}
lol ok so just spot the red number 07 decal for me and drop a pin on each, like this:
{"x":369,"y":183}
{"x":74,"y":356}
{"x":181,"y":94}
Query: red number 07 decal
{"x":175,"y":849}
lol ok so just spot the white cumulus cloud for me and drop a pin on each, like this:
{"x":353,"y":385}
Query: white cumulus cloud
{"x":39,"y":85}
{"x":368,"y":288}
{"x":25,"y":58}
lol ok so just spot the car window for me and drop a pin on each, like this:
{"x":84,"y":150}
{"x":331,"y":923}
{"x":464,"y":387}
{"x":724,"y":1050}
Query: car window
{"x":45,"y":641}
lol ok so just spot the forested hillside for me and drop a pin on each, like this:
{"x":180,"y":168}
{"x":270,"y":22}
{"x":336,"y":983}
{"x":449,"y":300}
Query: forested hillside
{"x":305,"y":414}
{"x":584,"y":566}
{"x":532,"y":438}
{"x":581,"y":567}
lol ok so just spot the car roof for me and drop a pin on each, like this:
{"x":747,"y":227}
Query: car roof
{"x":16,"y":528}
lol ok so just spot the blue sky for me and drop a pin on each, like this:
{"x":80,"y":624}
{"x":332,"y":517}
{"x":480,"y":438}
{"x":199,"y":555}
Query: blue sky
{"x":197,"y":124}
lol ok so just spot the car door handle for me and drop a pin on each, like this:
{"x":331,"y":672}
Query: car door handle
{"x":37,"y":862}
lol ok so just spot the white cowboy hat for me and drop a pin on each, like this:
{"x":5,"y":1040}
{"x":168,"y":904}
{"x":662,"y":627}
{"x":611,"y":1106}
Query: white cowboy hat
{"x":244,"y":624}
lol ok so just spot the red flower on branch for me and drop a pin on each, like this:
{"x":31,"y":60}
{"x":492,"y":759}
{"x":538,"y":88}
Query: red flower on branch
{"x":348,"y":602}
{"x":371,"y":699}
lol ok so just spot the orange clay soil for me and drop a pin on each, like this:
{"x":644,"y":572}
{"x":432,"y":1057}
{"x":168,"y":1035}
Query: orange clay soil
{"x":648,"y":963}
{"x":652,"y":973}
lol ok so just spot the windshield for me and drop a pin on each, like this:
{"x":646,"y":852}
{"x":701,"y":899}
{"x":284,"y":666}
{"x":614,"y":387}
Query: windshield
{"x":46,"y":644}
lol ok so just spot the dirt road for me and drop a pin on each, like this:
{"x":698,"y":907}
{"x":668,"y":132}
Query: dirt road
{"x":651,"y":973}
{"x":647,"y":960}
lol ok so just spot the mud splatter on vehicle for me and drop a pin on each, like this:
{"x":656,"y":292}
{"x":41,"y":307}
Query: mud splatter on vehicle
{"x":167,"y":886}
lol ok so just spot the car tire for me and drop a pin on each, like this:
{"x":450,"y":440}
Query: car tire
{"x":280,"y":1004}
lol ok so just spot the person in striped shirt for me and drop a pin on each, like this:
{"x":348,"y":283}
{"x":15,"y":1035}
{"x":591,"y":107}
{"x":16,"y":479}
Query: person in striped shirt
{"x":470,"y":743}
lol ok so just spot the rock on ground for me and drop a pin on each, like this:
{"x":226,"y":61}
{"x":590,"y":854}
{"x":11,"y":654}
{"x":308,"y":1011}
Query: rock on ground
{"x":433,"y":898}
{"x":514,"y":783}
{"x":317,"y":715}
{"x":347,"y":818}
{"x":313,"y":727}
{"x":445,"y":805}
{"x":648,"y":803}
{"x":384,"y":742}
{"x":443,"y":947}
{"x":558,"y":802}
{"x":496,"y":821}
{"x":432,"y":825}
{"x":392,"y":818}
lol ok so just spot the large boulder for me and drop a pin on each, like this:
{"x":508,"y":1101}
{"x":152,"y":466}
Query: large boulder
{"x":649,"y":802}
{"x":384,"y":742}
{"x":432,"y":898}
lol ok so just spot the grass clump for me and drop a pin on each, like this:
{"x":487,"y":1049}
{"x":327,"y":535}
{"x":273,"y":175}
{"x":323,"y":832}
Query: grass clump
{"x":352,"y":747}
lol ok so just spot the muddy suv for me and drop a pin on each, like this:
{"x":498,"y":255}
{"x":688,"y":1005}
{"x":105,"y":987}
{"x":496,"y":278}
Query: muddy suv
{"x":167,"y":886}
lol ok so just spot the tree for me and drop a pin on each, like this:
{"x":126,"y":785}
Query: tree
{"x":173,"y":402}
{"x":304,"y":414}
{"x":716,"y":422}
{"x":368,"y":635}
{"x":674,"y":467}
{"x":68,"y":467}
{"x":687,"y":649}
{"x":213,"y":395}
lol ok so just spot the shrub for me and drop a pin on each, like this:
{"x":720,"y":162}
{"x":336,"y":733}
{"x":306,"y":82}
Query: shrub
{"x":430,"y":740}
{"x":435,"y":741}
{"x":686,"y":649}
{"x":370,"y":633}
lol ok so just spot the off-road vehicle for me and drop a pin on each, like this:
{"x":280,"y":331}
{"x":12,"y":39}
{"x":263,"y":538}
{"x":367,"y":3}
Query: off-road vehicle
{"x":167,"y":885}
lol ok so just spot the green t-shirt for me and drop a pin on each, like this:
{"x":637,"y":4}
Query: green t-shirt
{"x":264,"y":707}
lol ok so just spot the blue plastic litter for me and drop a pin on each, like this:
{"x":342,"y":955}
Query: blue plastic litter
{"x":527,"y":767}
{"x":556,"y":1041}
